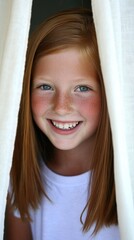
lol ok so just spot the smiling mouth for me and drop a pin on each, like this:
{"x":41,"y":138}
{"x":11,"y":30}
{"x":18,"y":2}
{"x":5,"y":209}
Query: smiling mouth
{"x":65,"y":126}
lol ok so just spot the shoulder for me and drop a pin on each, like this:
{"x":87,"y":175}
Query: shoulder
{"x":15,"y":228}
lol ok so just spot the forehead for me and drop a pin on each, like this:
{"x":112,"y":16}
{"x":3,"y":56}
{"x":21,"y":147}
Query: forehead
{"x":71,"y":61}
{"x":68,"y":57}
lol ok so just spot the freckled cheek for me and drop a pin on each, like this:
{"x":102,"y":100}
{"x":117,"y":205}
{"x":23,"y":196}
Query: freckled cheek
{"x":95,"y":110}
{"x":90,"y":107}
{"x":39,"y":105}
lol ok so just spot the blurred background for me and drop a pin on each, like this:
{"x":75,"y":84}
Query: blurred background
{"x":44,"y":8}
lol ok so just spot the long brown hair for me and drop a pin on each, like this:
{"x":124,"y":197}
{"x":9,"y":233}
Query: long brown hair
{"x":73,"y":28}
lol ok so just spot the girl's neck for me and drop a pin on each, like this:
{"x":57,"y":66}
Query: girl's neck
{"x":71,"y":162}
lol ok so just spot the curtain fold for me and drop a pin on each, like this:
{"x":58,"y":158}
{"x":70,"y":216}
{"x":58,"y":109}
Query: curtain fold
{"x":114,"y":23}
{"x":14,"y":29}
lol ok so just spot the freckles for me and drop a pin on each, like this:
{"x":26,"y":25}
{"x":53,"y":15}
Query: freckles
{"x":95,"y":108}
{"x":91,"y":107}
{"x":38,"y":105}
{"x":34,"y":102}
{"x":96,"y":103}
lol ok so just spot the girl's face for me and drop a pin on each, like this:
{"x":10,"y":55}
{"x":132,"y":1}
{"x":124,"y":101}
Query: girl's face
{"x":66,"y":99}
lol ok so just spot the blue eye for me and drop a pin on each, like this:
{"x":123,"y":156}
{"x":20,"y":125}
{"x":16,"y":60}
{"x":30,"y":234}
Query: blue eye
{"x":83,"y":89}
{"x":45,"y":87}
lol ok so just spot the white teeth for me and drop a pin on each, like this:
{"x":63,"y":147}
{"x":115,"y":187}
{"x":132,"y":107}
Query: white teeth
{"x":65,"y":125}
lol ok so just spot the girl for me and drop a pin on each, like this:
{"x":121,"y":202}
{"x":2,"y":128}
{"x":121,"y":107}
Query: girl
{"x":62,"y":174}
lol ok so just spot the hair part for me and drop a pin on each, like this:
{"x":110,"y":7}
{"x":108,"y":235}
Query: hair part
{"x":69,"y":29}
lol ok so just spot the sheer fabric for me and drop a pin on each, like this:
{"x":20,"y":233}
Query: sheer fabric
{"x":114,"y":22}
{"x":14,"y":28}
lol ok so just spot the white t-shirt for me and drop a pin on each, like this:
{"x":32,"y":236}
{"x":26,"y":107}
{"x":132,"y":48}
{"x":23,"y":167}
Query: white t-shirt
{"x":59,"y":219}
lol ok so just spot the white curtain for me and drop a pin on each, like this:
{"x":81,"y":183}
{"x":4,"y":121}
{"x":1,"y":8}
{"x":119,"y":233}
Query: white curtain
{"x":114,"y":22}
{"x":14,"y":28}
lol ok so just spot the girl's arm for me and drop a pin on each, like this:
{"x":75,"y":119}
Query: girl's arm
{"x":15,"y":228}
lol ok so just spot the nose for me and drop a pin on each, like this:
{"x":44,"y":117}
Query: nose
{"x":62,"y":104}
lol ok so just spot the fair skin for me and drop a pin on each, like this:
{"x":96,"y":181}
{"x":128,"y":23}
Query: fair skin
{"x":66,"y":106}
{"x":16,"y":228}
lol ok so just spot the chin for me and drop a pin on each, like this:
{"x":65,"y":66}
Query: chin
{"x":63,"y":146}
